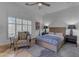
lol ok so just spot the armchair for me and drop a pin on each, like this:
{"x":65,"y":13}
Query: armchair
{"x":22,"y":40}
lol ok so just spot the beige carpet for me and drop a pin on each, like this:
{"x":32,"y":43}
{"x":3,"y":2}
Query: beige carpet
{"x":18,"y":53}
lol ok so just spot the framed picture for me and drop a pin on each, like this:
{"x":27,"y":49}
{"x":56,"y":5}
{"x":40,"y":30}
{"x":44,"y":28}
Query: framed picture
{"x":37,"y":25}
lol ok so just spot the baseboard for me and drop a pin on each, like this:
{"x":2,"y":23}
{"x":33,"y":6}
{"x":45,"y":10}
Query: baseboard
{"x":4,"y":47}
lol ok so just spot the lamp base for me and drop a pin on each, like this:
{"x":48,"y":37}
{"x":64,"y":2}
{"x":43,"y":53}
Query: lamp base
{"x":71,"y":32}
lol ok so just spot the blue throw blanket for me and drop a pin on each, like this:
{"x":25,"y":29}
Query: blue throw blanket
{"x":50,"y":39}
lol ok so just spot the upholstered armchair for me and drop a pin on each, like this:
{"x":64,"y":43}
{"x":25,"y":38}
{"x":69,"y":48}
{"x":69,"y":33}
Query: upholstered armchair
{"x":22,"y":40}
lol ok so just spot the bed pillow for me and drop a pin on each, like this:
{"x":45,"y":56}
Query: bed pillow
{"x":51,"y":33}
{"x":59,"y":34}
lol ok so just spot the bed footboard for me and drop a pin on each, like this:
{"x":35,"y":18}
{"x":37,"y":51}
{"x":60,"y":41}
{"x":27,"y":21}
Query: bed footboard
{"x":50,"y":46}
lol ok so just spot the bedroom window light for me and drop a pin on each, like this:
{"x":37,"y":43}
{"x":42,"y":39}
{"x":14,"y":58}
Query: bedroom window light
{"x":24,"y":21}
{"x":11,"y":20}
{"x":16,"y":25}
{"x":18,"y":21}
{"x":18,"y":29}
{"x":29,"y":26}
{"x":29,"y":22}
{"x":11,"y":27}
{"x":11,"y":30}
{"x":24,"y":27}
{"x":29,"y":29}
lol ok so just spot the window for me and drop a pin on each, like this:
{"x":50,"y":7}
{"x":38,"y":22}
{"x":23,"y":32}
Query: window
{"x":29,"y":22}
{"x":18,"y":29}
{"x":29,"y":29}
{"x":11,"y":20}
{"x":25,"y":21}
{"x":18,"y":21}
{"x":25,"y":25}
{"x":29,"y":26}
{"x":11,"y":26}
{"x":16,"y":25}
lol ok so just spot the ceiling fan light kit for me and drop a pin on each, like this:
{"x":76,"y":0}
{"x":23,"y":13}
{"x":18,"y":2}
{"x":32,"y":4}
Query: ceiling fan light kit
{"x":39,"y":4}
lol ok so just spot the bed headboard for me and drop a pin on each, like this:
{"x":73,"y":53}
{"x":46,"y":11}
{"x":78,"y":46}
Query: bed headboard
{"x":57,"y":30}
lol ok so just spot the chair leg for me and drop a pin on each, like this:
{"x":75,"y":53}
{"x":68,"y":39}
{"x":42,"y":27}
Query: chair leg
{"x":15,"y":46}
{"x":28,"y":44}
{"x":11,"y":46}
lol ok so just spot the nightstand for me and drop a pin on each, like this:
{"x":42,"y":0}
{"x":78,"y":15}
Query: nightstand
{"x":71,"y":39}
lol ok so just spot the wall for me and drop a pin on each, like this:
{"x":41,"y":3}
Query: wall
{"x":3,"y":26}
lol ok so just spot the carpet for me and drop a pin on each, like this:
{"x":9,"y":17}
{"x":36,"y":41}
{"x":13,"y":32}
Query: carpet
{"x":68,"y":50}
{"x":48,"y":53}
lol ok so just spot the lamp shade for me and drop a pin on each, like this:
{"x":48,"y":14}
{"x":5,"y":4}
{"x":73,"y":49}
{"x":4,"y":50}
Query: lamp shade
{"x":45,"y":27}
{"x":71,"y":27}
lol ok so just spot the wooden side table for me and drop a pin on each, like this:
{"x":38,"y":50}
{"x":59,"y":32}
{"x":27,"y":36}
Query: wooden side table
{"x":33,"y":42}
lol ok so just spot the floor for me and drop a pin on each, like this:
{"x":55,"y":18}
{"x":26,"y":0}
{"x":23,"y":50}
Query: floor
{"x":68,"y":50}
{"x":18,"y":53}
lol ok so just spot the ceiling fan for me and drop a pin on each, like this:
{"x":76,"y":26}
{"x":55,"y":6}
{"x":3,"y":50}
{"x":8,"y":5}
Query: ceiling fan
{"x":38,"y":3}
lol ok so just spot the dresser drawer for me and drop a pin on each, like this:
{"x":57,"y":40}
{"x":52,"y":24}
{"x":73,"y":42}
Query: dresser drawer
{"x":71,"y":39}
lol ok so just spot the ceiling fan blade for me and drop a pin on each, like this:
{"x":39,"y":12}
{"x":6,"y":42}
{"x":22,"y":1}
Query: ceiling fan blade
{"x":45,"y":4}
{"x":31,"y":4}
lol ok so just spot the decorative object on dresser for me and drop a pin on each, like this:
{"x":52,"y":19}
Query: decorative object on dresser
{"x":71,"y":39}
{"x":71,"y":27}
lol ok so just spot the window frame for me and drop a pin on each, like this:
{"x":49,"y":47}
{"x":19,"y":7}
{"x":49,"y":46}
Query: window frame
{"x":16,"y":24}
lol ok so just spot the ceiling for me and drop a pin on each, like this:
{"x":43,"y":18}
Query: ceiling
{"x":55,"y":6}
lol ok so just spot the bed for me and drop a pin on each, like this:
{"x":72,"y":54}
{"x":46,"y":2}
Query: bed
{"x":54,"y":40}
